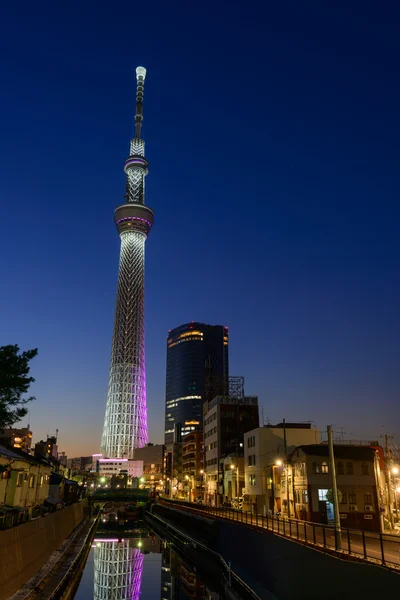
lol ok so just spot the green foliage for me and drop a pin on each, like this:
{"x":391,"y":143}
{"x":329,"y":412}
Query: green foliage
{"x":14,"y":382}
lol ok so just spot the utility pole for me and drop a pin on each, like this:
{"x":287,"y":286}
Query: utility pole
{"x":286,"y":468}
{"x":338,"y":538}
{"x":388,"y":480}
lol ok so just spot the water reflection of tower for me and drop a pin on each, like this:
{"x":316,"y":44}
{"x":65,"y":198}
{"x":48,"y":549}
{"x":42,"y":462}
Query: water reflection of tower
{"x":118,"y":570}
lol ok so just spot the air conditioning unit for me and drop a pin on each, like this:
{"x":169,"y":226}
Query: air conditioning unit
{"x":368,"y":508}
{"x":353,"y":508}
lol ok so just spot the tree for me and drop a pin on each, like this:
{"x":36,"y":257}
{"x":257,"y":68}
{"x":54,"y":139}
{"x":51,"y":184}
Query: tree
{"x":14,"y":382}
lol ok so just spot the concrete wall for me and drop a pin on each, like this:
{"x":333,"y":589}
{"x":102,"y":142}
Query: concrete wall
{"x":26,"y":548}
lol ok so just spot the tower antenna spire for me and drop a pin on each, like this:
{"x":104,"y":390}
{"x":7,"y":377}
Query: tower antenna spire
{"x":140,"y":77}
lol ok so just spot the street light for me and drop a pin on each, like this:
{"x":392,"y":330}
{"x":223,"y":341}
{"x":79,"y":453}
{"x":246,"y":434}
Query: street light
{"x":395,"y":470}
{"x":237,"y":482}
{"x":278,"y":462}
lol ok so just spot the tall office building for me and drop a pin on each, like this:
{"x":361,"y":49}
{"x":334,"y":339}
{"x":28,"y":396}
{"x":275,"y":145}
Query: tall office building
{"x":125,"y":422}
{"x":197,"y":371}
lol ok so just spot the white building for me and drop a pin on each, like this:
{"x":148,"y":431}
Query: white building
{"x":114,"y":466}
{"x":264,"y":459}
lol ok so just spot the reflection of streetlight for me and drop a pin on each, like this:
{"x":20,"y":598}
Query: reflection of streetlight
{"x":186,"y":477}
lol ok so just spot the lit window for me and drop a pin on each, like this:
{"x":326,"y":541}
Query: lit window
{"x":367,"y":498}
{"x":20,"y":479}
{"x":324,"y":467}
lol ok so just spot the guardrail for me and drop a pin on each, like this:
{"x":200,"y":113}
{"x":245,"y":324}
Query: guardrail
{"x":183,"y":539}
{"x":367,"y":545}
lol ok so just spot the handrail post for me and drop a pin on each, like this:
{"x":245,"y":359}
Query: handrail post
{"x":364,"y":546}
{"x":348,"y":541}
{"x":382,"y":549}
{"x":314,"y":538}
{"x":324,"y":535}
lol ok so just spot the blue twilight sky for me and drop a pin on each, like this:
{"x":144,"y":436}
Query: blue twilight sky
{"x":272,"y":132}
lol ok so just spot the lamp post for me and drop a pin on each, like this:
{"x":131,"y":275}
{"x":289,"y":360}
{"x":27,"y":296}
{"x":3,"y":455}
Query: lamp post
{"x":202,"y":485}
{"x":277,"y":463}
{"x":395,"y":471}
{"x":237,"y":481}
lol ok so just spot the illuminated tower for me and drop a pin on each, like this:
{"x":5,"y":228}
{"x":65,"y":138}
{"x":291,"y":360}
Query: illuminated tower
{"x":125,"y":421}
{"x":118,"y":568}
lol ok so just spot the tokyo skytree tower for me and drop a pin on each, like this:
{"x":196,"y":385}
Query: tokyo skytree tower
{"x":125,"y":421}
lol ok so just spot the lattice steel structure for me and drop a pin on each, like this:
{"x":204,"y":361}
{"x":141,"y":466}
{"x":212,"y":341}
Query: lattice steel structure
{"x":118,"y":571}
{"x":125,"y":422}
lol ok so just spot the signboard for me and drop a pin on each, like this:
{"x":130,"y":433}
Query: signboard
{"x":329,"y":496}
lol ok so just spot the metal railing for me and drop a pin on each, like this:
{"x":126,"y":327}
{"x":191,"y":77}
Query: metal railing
{"x":183,"y":539}
{"x":376,"y":547}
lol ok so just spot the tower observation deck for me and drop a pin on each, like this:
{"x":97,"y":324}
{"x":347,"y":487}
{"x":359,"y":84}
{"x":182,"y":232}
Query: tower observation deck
{"x":125,"y":421}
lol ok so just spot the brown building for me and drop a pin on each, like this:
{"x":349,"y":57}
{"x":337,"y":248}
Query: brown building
{"x":17,"y":438}
{"x":311,"y":484}
{"x":152,"y":456}
{"x":47,"y":448}
{"x":192,"y":464}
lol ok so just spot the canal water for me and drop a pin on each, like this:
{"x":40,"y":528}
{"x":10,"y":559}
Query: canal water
{"x":145,"y":567}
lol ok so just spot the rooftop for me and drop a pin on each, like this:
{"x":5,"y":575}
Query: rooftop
{"x":340,"y":451}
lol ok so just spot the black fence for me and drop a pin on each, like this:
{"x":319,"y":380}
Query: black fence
{"x":377,"y":547}
{"x":236,"y":586}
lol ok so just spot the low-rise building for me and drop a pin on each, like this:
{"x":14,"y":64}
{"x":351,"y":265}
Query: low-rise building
{"x":24,"y":485}
{"x":114,"y":466}
{"x":357,"y":471}
{"x":264,"y":459}
{"x":192,"y":464}
{"x":47,"y":447}
{"x":152,"y":457}
{"x":17,"y":438}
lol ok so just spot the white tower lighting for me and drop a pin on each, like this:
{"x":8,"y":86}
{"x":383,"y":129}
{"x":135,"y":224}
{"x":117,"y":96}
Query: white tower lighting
{"x":125,"y":421}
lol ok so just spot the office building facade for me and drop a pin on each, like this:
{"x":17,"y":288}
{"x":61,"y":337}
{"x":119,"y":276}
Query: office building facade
{"x":197,"y":371}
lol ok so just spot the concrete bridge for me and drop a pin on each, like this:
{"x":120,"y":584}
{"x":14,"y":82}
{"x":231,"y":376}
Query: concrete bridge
{"x":138,"y":497}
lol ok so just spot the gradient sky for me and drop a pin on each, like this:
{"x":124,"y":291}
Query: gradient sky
{"x":272,"y":132}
